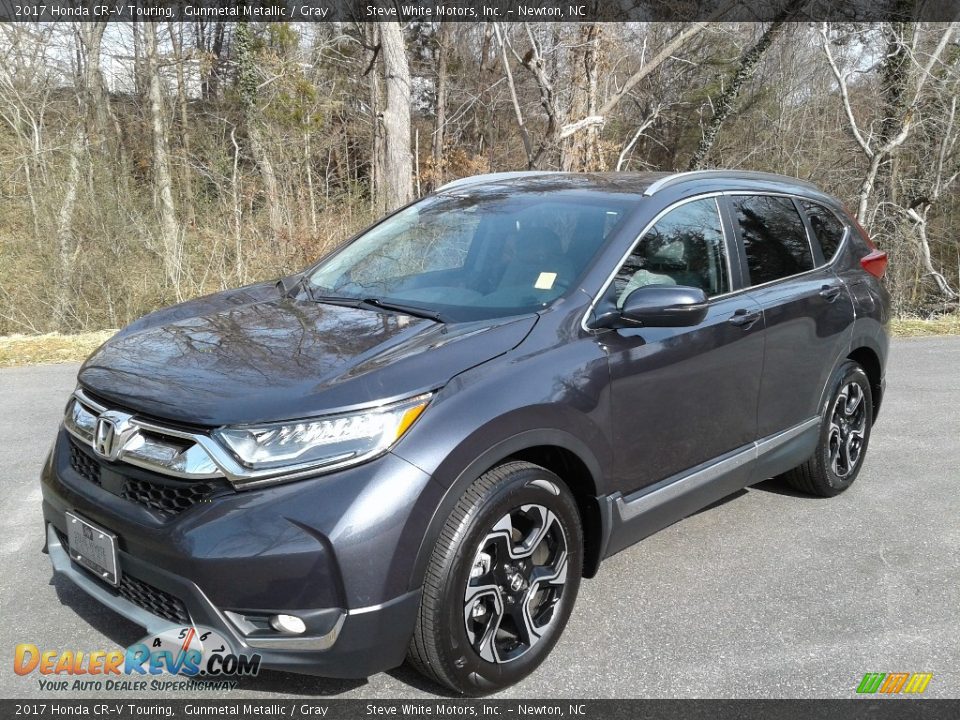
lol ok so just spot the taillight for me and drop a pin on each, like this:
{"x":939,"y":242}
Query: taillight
{"x":875,"y":263}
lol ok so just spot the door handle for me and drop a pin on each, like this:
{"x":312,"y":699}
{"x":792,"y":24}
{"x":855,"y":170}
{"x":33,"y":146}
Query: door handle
{"x":830,"y":292}
{"x":744,"y":318}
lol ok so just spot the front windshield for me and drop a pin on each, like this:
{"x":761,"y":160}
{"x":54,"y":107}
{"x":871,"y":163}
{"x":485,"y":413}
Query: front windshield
{"x":475,"y":257}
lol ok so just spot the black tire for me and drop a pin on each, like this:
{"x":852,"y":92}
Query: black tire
{"x":441,"y":648}
{"x":819,"y":474}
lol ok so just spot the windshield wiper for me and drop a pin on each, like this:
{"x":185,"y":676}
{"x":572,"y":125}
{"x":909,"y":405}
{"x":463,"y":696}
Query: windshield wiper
{"x":303,"y":285}
{"x":377,"y":303}
{"x":344,"y":300}
{"x":412,"y":310}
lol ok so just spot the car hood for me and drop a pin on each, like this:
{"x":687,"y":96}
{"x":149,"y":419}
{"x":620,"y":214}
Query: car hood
{"x":252,"y":355}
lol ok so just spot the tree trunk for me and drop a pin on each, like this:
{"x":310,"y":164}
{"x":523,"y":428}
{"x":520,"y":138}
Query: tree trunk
{"x":66,"y":246}
{"x":725,"y":103}
{"x":443,"y":41}
{"x":247,"y":81}
{"x":176,"y":38}
{"x":163,"y":184}
{"x":895,"y":76}
{"x":398,"y":167}
{"x":90,"y":97}
{"x":581,"y":151}
{"x":271,"y":187}
{"x":524,"y":135}
{"x":377,"y":197}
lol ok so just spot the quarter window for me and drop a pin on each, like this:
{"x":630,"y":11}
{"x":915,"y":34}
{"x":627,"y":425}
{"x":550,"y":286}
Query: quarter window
{"x":773,"y":236}
{"x":684,"y":247}
{"x":826,"y":228}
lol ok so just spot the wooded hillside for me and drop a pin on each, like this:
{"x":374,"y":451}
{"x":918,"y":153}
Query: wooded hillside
{"x":144,"y":164}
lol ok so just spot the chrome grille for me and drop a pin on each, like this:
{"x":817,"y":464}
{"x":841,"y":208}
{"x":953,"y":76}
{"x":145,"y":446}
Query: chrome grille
{"x":118,"y":436}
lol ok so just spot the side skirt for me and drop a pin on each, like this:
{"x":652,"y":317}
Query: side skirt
{"x":650,"y":509}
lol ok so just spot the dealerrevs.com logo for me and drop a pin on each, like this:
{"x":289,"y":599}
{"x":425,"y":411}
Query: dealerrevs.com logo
{"x":894,"y":683}
{"x":197,"y":653}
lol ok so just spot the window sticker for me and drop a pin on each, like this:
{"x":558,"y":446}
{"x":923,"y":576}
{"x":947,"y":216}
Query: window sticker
{"x":545,"y":281}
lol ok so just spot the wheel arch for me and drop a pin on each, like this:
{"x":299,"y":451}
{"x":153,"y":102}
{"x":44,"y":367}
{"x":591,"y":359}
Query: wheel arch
{"x":869,"y":360}
{"x":556,"y":450}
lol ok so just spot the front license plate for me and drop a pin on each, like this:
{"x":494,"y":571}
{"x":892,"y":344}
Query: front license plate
{"x":94,"y":548}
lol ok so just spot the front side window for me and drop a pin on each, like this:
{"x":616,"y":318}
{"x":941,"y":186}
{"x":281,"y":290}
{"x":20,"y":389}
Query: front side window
{"x":684,"y":247}
{"x":773,"y":236}
{"x":827,"y":228}
{"x":478,"y":256}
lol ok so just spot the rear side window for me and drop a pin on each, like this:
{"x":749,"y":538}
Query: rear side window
{"x":773,"y":236}
{"x":826,"y":228}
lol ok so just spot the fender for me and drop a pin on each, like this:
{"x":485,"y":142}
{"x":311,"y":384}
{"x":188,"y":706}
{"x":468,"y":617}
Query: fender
{"x":868,"y":333}
{"x":489,"y":458}
{"x":872,"y":337}
{"x":837,"y":362}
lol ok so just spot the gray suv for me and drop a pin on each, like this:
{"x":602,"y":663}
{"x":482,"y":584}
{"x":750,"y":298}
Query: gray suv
{"x":416,"y":448}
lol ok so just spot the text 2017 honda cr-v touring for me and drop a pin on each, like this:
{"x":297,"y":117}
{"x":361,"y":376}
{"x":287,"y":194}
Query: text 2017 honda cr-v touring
{"x":419,"y":446}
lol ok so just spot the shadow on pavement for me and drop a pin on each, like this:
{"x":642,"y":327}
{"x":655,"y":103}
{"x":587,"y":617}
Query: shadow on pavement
{"x":408,"y":676}
{"x":778,"y":486}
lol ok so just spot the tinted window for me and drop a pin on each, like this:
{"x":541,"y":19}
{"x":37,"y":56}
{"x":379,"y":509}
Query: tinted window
{"x":826,"y":228}
{"x":685,"y":247}
{"x":773,"y":236}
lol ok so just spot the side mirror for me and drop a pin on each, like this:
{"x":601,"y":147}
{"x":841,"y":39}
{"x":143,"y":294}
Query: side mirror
{"x":659,"y":306}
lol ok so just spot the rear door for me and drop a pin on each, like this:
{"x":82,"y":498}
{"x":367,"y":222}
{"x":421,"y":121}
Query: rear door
{"x":807,"y":311}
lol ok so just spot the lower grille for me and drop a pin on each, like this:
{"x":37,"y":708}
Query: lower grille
{"x":144,"y":595}
{"x":169,"y":500}
{"x":153,"y":600}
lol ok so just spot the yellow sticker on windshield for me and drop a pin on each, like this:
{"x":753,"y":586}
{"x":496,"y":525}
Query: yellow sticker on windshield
{"x":545,"y":281}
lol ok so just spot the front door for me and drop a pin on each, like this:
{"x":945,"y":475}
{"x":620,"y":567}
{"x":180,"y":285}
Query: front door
{"x":681,"y":397}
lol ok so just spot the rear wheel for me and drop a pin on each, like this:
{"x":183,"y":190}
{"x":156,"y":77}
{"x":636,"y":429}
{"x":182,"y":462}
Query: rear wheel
{"x":501,"y":582}
{"x":844,"y":435}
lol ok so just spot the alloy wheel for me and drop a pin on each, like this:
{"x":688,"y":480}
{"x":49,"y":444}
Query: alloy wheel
{"x":848,"y":424}
{"x":517,"y":578}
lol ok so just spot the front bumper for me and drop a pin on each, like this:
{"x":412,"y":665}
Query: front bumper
{"x":333,"y":550}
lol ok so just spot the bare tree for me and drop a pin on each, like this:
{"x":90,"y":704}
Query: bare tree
{"x":89,"y":37}
{"x":725,"y":102}
{"x":179,"y":60}
{"x":397,"y":187}
{"x":247,"y":79}
{"x":581,"y":150}
{"x":262,"y":145}
{"x":897,"y":131}
{"x":163,"y":183}
{"x":444,"y":38}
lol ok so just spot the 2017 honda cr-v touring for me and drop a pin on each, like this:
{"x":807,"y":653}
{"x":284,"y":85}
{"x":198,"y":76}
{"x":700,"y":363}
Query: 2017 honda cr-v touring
{"x":419,"y":446}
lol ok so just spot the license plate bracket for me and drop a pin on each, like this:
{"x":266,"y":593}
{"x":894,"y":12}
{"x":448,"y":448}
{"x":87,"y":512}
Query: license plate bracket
{"x":94,"y":548}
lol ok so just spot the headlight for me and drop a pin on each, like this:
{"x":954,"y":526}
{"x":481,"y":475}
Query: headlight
{"x":338,"y":440}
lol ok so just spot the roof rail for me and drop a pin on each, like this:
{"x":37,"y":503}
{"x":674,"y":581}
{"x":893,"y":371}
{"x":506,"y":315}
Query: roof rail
{"x":492,"y":177}
{"x":677,"y":178}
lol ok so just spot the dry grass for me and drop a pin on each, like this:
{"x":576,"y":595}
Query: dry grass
{"x":55,"y":348}
{"x":918,"y":327}
{"x":50,"y":348}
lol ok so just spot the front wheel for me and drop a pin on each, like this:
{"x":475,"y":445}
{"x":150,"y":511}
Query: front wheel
{"x":501,"y":582}
{"x":844,"y":435}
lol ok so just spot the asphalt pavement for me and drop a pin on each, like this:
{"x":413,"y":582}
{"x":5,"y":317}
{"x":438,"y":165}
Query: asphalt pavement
{"x":767,"y":594}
